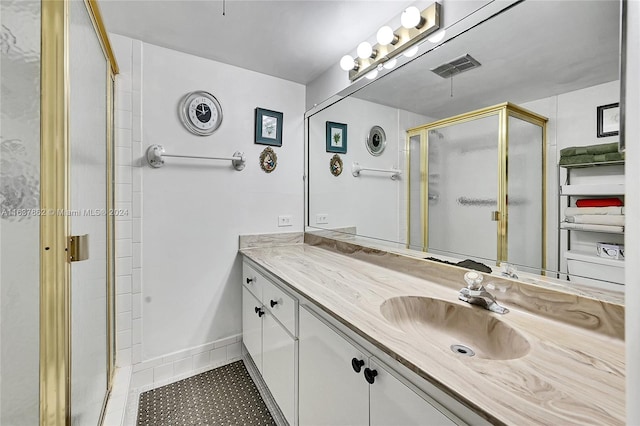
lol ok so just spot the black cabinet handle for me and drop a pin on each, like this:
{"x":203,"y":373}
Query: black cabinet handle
{"x":250,"y":280}
{"x":370,"y":375}
{"x":273,"y":303}
{"x":259,"y":311}
{"x":357,"y":364}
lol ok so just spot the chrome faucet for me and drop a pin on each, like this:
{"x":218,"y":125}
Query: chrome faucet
{"x":475,"y":294}
{"x":509,"y":271}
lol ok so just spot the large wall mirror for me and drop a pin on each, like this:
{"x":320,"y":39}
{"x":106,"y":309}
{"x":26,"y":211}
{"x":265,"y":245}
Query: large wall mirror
{"x":470,"y":166}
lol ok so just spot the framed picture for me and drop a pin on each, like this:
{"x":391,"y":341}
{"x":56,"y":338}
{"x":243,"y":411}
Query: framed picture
{"x":608,"y":120}
{"x":336,"y":137}
{"x":268,"y":127}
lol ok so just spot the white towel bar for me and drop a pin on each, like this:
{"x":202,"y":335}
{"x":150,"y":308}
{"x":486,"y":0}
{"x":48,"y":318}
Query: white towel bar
{"x":357,"y":168}
{"x":156,"y":154}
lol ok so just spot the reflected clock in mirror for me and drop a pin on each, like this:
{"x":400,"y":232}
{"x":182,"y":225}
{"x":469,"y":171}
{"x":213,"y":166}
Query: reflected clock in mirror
{"x":376,"y":141}
{"x":200,"y":113}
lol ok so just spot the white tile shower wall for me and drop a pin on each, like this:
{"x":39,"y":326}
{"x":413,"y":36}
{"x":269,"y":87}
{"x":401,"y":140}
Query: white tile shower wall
{"x":123,"y":49}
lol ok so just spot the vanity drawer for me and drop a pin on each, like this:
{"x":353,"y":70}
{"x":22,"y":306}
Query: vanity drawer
{"x":281,"y":305}
{"x":253,"y":281}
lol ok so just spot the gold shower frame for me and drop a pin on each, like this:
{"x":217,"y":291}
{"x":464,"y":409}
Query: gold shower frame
{"x":503,"y":111}
{"x":55,"y":274}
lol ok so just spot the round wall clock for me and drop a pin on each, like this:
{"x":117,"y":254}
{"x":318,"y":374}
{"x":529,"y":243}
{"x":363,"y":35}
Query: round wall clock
{"x":200,"y":112}
{"x":376,"y":141}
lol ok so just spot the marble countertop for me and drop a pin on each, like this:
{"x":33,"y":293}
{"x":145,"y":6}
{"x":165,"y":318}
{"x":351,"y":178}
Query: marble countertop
{"x":573,"y":372}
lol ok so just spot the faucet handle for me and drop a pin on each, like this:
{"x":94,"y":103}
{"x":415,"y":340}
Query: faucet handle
{"x":473,"y":280}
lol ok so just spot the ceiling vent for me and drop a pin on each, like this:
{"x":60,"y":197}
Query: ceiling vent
{"x":456,"y":66}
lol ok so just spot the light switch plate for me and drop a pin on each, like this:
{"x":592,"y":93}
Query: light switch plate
{"x":284,"y":220}
{"x":322,"y":219}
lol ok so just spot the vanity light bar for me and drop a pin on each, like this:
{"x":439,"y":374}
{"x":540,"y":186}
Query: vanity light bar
{"x":406,"y":38}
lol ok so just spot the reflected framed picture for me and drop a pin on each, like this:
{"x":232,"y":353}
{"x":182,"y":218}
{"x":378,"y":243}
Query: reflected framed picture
{"x":268,"y":127}
{"x":608,"y":120}
{"x":336,"y":137}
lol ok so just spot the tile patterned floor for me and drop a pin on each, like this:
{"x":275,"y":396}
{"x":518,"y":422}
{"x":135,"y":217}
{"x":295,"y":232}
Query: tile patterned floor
{"x":223,"y":396}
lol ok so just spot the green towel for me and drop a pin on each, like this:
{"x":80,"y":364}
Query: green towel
{"x":610,"y":156}
{"x":574,"y":150}
{"x":604,"y":148}
{"x":576,"y":159}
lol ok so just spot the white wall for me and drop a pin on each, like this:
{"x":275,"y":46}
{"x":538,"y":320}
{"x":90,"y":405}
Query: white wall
{"x":372,"y":202}
{"x":193,"y":211}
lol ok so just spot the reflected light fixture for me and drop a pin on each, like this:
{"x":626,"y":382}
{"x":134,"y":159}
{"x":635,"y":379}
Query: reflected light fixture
{"x":437,"y":37}
{"x":416,"y":26}
{"x":390,"y":63}
{"x":411,"y":52}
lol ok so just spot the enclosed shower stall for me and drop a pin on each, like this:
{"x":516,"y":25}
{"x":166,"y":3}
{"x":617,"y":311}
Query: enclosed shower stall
{"x":477,"y":186}
{"x":56,"y":190}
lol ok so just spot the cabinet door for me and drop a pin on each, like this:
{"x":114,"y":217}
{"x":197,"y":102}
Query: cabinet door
{"x":252,"y":327}
{"x":394,"y":403}
{"x":278,"y":365}
{"x":330,"y":391}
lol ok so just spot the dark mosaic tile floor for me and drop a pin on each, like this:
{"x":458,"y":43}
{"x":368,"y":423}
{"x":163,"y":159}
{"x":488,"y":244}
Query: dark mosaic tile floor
{"x":224,"y":396}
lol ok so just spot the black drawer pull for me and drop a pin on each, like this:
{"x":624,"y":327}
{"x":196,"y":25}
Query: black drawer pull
{"x":357,"y":364}
{"x":273,"y":303}
{"x":370,"y":375}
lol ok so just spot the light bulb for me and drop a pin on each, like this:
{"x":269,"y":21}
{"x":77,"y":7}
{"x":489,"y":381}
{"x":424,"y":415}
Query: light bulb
{"x":347,"y":63}
{"x":410,"y":18}
{"x":437,"y":37}
{"x":385,"y":36}
{"x":364,"y":50}
{"x":411,"y":52}
{"x":390,"y":63}
{"x":371,"y":74}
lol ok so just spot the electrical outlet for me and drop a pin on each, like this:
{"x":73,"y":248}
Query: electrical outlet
{"x":284,"y":220}
{"x":322,"y":219}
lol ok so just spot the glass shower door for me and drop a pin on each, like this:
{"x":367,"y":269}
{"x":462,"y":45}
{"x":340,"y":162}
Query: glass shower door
{"x":462,"y":181}
{"x":88,"y":203}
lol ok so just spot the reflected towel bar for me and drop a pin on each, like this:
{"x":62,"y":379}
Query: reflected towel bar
{"x":357,"y":168}
{"x":155,"y":154}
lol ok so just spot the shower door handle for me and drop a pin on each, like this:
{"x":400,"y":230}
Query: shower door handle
{"x":78,"y":248}
{"x":495,"y":216}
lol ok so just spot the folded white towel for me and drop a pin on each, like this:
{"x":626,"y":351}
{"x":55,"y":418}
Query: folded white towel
{"x":572,"y":211}
{"x":597,"y":219}
{"x":590,"y":227}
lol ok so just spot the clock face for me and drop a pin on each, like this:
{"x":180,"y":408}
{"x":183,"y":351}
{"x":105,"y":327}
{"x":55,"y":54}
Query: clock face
{"x":201,"y":113}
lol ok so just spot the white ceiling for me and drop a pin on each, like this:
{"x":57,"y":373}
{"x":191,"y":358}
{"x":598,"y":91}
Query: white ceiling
{"x":535,"y":50}
{"x":296,"y":39}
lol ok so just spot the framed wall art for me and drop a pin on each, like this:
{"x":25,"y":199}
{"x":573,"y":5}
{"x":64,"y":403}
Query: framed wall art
{"x":336,"y":137}
{"x":608,"y":120}
{"x":268,"y":127}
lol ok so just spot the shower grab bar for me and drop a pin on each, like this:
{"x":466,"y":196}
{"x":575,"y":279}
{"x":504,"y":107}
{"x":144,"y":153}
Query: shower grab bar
{"x":156,"y":154}
{"x":357,"y":168}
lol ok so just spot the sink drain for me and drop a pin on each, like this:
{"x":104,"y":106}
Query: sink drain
{"x":462,"y":350}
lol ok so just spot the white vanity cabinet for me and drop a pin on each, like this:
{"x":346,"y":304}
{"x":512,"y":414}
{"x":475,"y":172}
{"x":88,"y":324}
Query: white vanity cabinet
{"x":341,"y":384}
{"x":252,"y":326}
{"x":330,"y":391}
{"x":269,"y":334}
